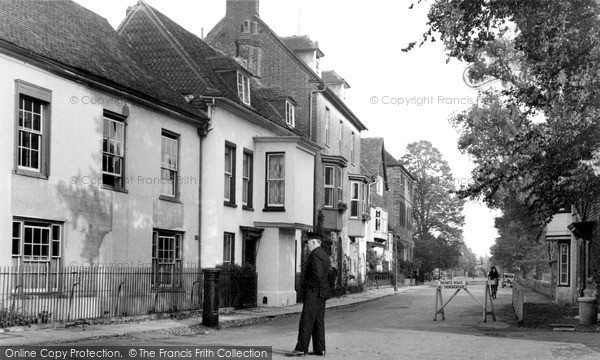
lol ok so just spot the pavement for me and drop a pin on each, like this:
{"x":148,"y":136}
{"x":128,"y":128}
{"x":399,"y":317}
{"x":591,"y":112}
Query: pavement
{"x":57,"y":333}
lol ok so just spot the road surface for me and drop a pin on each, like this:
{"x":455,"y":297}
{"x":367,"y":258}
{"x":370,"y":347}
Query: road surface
{"x":398,"y":327}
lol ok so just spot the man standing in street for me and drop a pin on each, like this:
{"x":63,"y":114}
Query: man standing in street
{"x":316,"y":292}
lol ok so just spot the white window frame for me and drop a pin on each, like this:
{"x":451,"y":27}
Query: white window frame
{"x":228,"y":248}
{"x":40,"y":100}
{"x":329,"y":193}
{"x":564,"y":263}
{"x":381,"y":220}
{"x":243,"y":87}
{"x":290,"y":114}
{"x":113,"y":150}
{"x":229,"y":173}
{"x":339,"y":184}
{"x":364,"y":193}
{"x":167,"y":258}
{"x":30,"y":132}
{"x":169,"y":164}
{"x":379,"y":185}
{"x":247,"y":178}
{"x":355,"y":199}
{"x":37,"y":270}
{"x":273,"y":180}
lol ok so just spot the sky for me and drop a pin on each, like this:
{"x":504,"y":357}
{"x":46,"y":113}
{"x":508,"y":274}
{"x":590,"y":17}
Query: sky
{"x":400,"y":96}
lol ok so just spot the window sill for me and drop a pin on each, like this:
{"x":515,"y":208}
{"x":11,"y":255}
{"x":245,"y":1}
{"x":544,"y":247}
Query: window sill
{"x":32,"y":174}
{"x":116,"y":189}
{"x":247,"y":208}
{"x":274,"y":209}
{"x":229,"y":204}
{"x":170,"y":199}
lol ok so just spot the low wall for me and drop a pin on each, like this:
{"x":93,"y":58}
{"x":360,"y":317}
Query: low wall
{"x":543,"y":287}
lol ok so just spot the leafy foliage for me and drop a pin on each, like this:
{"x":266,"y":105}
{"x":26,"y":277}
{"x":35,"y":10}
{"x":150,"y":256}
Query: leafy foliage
{"x":515,"y":248}
{"x":437,"y":210}
{"x":537,"y":137}
{"x":436,"y":252}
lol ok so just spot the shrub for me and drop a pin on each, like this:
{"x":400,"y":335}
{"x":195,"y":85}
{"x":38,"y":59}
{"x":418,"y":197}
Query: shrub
{"x":10,"y":317}
{"x":242,"y":285}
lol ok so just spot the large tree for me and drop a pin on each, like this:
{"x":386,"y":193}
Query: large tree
{"x":544,"y":121}
{"x":437,"y":210}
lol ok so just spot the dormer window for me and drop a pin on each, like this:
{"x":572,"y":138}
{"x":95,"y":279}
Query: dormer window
{"x":290,"y":114}
{"x":243,"y":84}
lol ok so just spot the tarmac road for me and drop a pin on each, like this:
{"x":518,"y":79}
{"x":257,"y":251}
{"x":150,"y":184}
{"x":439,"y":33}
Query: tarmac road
{"x":399,"y":327}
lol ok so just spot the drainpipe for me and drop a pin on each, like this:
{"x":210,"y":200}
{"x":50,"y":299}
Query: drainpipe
{"x":202,"y":132}
{"x":310,"y":135}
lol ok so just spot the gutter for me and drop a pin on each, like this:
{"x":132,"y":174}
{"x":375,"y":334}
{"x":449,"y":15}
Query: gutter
{"x":251,"y":116}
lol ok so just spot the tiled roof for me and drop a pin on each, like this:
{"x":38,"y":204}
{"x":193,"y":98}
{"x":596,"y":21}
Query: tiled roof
{"x":84,"y":43}
{"x":186,"y":61}
{"x":390,"y":160}
{"x":272,"y":93}
{"x":302,"y":43}
{"x":332,"y":77}
{"x":371,"y":153}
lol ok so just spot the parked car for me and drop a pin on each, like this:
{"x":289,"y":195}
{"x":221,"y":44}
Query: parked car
{"x":508,"y":279}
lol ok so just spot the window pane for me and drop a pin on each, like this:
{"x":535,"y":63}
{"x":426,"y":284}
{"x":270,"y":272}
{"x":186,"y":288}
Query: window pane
{"x":45,"y":236}
{"x":37,"y":122}
{"x":276,"y":167}
{"x":34,"y":159}
{"x":329,"y":197}
{"x":354,"y":194}
{"x":16,"y":229}
{"x":28,"y":105}
{"x":28,"y":120}
{"x":328,"y":176}
{"x":228,"y":164}
{"x":354,"y":208}
{"x":35,"y":141}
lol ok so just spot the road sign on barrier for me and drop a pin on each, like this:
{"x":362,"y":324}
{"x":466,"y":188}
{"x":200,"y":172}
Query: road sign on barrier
{"x":452,"y":284}
{"x":459,"y":285}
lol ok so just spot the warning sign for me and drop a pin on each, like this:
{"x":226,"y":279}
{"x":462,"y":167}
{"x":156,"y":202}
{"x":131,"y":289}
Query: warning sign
{"x":452,"y":284}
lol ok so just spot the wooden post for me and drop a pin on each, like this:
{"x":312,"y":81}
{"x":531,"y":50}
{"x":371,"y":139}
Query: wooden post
{"x":439,"y":305}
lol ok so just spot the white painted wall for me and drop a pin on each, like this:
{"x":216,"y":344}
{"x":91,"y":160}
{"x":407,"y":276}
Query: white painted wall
{"x":101,"y":226}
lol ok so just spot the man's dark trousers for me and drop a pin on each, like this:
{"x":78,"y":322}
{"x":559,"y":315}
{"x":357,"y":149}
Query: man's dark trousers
{"x":312,"y":318}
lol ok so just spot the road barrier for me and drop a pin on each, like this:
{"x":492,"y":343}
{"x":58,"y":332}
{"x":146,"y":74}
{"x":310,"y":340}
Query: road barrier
{"x":459,"y":285}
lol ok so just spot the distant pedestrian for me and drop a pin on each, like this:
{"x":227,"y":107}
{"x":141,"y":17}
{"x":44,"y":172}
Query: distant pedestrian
{"x":316,"y":292}
{"x":494,"y":275}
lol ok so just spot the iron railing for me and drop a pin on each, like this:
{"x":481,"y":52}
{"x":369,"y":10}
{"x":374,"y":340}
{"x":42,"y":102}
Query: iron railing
{"x":379,"y":279}
{"x":73,"y":293}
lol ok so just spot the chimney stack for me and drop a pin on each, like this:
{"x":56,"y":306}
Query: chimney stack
{"x":241,"y":8}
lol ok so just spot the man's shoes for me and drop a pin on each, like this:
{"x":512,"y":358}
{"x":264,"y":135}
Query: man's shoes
{"x":319,"y":353}
{"x":297,"y":353}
